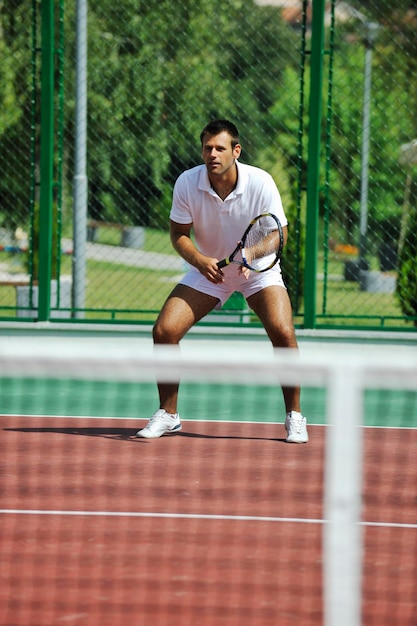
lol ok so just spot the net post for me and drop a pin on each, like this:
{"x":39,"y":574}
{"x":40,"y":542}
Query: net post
{"x":342,"y":541}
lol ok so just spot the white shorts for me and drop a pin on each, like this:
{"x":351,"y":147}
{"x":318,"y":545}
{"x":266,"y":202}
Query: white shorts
{"x":233,"y":282}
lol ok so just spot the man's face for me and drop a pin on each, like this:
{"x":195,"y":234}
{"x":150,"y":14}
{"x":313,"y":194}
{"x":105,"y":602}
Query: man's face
{"x":218,"y":153}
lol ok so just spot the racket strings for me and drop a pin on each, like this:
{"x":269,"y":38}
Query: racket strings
{"x":262,"y":244}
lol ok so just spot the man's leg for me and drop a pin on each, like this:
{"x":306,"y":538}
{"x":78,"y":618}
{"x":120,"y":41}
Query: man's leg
{"x":183,"y":308}
{"x":272,"y":306}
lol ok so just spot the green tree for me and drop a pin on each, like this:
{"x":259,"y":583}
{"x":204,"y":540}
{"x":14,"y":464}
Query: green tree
{"x":158,"y":71}
{"x":407,"y":267}
{"x":15,"y":114}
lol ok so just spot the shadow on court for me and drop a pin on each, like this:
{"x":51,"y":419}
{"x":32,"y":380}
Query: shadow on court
{"x":129,"y":434}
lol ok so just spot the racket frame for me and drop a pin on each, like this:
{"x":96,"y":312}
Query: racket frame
{"x":241,"y":246}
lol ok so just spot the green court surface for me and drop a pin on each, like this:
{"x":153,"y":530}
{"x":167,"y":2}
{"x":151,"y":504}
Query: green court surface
{"x":382,"y":408}
{"x":198,"y":401}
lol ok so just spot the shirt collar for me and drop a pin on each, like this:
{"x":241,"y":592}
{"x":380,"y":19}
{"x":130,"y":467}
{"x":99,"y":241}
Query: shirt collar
{"x":242,"y":178}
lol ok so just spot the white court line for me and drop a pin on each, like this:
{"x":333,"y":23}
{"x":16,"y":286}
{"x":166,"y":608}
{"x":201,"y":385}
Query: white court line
{"x":189,"y":420}
{"x":193,"y":516}
{"x":144,"y":514}
{"x":217,"y":420}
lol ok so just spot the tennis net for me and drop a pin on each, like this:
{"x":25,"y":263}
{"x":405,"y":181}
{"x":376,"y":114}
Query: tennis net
{"x":223,"y":523}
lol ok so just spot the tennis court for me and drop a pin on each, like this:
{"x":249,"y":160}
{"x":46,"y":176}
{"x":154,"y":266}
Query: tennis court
{"x":219,"y":524}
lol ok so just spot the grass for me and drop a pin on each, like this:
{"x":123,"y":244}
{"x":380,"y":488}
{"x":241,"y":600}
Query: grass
{"x":121,"y":287}
{"x":343,"y":298}
{"x":155,"y":240}
{"x":346,"y":299}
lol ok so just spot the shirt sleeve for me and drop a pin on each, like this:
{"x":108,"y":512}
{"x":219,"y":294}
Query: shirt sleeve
{"x":272,"y":200}
{"x":180,"y":210}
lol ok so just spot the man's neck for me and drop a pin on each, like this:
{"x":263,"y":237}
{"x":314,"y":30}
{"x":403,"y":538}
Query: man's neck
{"x":224,"y":185}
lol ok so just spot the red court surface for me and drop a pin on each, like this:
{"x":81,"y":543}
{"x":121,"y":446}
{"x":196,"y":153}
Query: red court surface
{"x":219,"y":525}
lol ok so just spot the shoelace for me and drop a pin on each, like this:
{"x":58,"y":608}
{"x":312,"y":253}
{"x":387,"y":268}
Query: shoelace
{"x":296,"y":424}
{"x":156,"y":417}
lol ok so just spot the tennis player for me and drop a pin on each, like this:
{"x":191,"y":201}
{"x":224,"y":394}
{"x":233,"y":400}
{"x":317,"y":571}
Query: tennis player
{"x":216,"y":201}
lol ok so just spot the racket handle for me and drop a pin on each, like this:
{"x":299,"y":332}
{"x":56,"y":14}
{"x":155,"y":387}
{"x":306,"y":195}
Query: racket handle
{"x":223,"y":263}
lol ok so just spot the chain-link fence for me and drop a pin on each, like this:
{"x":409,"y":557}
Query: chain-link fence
{"x":132,"y":85}
{"x":368,"y":247}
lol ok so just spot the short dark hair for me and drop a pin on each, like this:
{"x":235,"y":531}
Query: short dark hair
{"x":218,"y":126}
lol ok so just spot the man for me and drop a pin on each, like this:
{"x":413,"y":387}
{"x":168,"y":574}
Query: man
{"x":216,"y":201}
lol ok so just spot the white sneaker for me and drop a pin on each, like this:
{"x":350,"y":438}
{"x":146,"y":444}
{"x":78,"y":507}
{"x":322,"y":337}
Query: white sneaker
{"x":160,"y":423}
{"x":296,"y":427}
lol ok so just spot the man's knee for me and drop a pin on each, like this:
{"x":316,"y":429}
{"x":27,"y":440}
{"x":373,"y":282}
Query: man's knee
{"x":162,"y":333}
{"x":283,"y":336}
{"x":170,"y":329}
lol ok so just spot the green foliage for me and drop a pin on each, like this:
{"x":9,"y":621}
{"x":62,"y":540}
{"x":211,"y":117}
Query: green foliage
{"x":389,"y":128}
{"x":15,"y":117}
{"x":384,"y":9}
{"x":407,"y":269}
{"x":8,"y":95}
{"x":283,"y":165}
{"x":158,"y":71}
{"x":292,"y":262}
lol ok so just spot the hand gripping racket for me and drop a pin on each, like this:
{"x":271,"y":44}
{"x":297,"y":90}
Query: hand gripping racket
{"x":260,"y":246}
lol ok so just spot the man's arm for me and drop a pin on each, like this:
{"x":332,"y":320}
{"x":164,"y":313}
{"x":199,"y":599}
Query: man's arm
{"x":183,"y":244}
{"x":285,"y":233}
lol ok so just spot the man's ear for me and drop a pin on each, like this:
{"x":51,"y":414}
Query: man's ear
{"x":237,"y":151}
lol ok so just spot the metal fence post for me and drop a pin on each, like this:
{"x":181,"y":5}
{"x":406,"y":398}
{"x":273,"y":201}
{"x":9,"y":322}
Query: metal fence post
{"x":46,"y":159}
{"x":313,"y":171}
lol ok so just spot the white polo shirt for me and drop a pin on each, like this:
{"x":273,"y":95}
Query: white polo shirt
{"x":218,"y":225}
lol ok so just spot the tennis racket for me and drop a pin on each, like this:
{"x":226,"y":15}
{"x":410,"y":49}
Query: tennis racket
{"x":261,"y":244}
